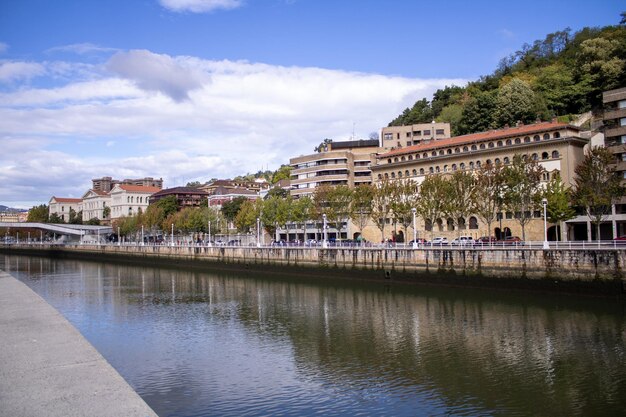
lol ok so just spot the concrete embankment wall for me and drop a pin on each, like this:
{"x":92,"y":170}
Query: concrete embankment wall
{"x":48,"y":369}
{"x":597,"y":270}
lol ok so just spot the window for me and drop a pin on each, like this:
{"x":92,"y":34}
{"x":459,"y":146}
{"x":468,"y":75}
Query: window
{"x":453,"y":167}
{"x":482,"y":146}
{"x":449,"y":151}
{"x":461,"y":223}
{"x":544,"y":155}
{"x":499,"y":143}
{"x":457,"y":150}
{"x":426,"y":132}
{"x":421,"y":171}
{"x":488,"y":162}
{"x":410,"y":157}
{"x":526,"y":139}
{"x":497,"y":161}
{"x":536,"y":138}
{"x":462,"y":165}
{"x":424,"y":155}
{"x":491,"y":145}
{"x":399,"y":174}
{"x":393,"y":175}
{"x":506,"y":160}
{"x":445,"y":168}
{"x":428,"y":224}
{"x":473,"y":223}
{"x":477,"y":164}
{"x":389,"y":160}
{"x":441,"y":153}
{"x":556,"y":135}
{"x":471,"y":165}
{"x":434,"y":153}
{"x":406,"y":173}
{"x":450,"y":225}
{"x":437,"y":169}
{"x":465,"y":149}
{"x":415,"y":172}
{"x":386,"y":176}
{"x":439,"y":132}
{"x":555,"y":154}
{"x":417,"y":133}
{"x":408,"y":143}
{"x":534,"y":157}
{"x":395,"y":159}
{"x":408,"y":134}
{"x":546,"y":136}
{"x":380,"y":176}
{"x":403,"y":159}
{"x":388,"y":136}
{"x":518,"y":141}
{"x":473,"y":147}
{"x":431,"y":170}
{"x":508,"y":141}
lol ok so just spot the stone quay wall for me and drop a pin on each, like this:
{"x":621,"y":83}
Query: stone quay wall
{"x":572,"y":269}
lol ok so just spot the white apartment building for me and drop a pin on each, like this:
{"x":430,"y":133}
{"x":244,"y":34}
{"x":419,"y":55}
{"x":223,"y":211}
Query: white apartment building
{"x":94,"y":202}
{"x":61,"y":206}
{"x":128,"y":200}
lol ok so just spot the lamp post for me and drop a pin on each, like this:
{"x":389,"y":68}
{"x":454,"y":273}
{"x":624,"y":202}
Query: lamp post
{"x":98,"y":231}
{"x":29,"y":238}
{"x":545,"y":224}
{"x":172,"y":235}
{"x":258,"y":235}
{"x":142,"y":235}
{"x":414,"y":210}
{"x":209,"y":241}
{"x":325,"y":236}
{"x":41,"y":237}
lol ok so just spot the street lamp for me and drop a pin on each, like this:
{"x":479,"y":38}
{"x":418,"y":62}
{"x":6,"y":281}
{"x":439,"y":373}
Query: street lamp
{"x":545,"y":224}
{"x":325,"y":239}
{"x":258,"y":229}
{"x":172,"y":235}
{"x":142,"y":235}
{"x":119,"y":238}
{"x":414,"y":210}
{"x":209,"y":241}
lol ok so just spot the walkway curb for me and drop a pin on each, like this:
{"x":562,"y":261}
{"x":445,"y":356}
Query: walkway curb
{"x":47,"y":368}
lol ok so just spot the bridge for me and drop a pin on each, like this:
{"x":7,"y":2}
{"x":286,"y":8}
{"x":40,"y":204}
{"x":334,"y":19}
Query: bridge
{"x":80,"y":231}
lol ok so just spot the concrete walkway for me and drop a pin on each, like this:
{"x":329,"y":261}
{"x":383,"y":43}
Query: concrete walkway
{"x":47,"y":368}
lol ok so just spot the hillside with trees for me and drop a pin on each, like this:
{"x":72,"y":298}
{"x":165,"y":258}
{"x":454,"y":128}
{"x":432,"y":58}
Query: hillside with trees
{"x":562,"y":75}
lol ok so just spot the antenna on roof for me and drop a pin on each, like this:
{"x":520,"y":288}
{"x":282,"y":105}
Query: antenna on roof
{"x":353,"y":125}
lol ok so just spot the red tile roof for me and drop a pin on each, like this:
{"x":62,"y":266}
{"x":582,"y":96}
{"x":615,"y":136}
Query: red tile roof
{"x":523,"y":130}
{"x":68,"y":200}
{"x":139,"y":188}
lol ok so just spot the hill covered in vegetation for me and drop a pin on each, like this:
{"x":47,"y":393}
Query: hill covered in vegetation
{"x":561,"y":75}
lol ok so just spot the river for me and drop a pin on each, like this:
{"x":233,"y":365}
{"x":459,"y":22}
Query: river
{"x":224,"y":344}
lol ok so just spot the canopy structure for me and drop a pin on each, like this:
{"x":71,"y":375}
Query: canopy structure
{"x":79,"y":231}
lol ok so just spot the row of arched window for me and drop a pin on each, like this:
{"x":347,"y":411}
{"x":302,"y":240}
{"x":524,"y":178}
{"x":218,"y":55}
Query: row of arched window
{"x":450,"y":224}
{"x":462,"y":166}
{"x":140,"y":200}
{"x":474,"y":147}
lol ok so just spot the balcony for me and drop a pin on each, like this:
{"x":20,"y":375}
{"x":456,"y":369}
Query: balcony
{"x":614,"y":114}
{"x":618,"y":131}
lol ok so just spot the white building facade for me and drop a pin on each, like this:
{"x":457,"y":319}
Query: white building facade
{"x":128,"y":200}
{"x":61,"y":206}
{"x":94,"y":203}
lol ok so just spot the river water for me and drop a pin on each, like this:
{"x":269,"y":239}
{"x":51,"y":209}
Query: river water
{"x":223,"y":344}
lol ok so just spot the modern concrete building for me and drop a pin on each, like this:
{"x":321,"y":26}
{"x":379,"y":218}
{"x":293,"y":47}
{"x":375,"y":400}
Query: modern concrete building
{"x":61,"y":206}
{"x":129,"y":200}
{"x":401,"y":136}
{"x":94,"y":204}
{"x":106,"y":184}
{"x":345,"y":163}
{"x":558,"y":147}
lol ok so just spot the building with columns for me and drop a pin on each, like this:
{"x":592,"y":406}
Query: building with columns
{"x":129,"y":200}
{"x":94,"y":204}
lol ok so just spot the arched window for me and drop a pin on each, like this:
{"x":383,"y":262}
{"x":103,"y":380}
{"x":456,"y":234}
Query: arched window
{"x":440,"y":225}
{"x":450,"y":225}
{"x":380,"y":176}
{"x":465,"y":149}
{"x":556,"y":173}
{"x":508,"y":142}
{"x":462,"y":165}
{"x":386,"y":176}
{"x":445,"y":168}
{"x":428,"y":225}
{"x":534,"y":157}
{"x":431,"y":170}
{"x":488,"y":162}
{"x":536,"y":138}
{"x":499,"y":143}
{"x":557,"y":135}
{"x":434,"y":153}
{"x":453,"y":167}
{"x":395,"y":159}
{"x":406,"y":173}
{"x":477,"y":164}
{"x":393,"y":175}
{"x":457,"y":150}
{"x":417,"y":156}
{"x":399,"y":174}
{"x":473,"y":147}
{"x":461,"y":223}
{"x":473,"y":223}
{"x":497,"y":161}
{"x":518,"y":141}
{"x":506,"y":160}
{"x":491,"y":145}
{"x":482,"y":146}
{"x":403,"y":159}
{"x":421,"y":171}
{"x":437,"y":169}
{"x":410,"y":157}
{"x":471,"y":165}
{"x":441,"y":153}
{"x":424,"y":155}
{"x":449,"y":151}
{"x":524,"y":157}
{"x":526,"y":139}
{"x":555,"y":154}
{"x":415,"y":172}
{"x":544,"y":155}
{"x":546,"y":136}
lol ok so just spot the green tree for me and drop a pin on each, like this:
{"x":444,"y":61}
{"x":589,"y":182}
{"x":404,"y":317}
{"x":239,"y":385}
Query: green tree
{"x":381,"y":206}
{"x":277,"y":192}
{"x":94,"y":221}
{"x":361,"y":205}
{"x":55,"y":218}
{"x":461,"y":198}
{"x":38,"y":214}
{"x":477,"y":115}
{"x":75,"y":217}
{"x":245,"y":220}
{"x":419,"y":113}
{"x":323,"y":147}
{"x":169,"y":205}
{"x":516,"y":101}
{"x":106,"y":212}
{"x":283,"y":173}
{"x":232,"y":207}
{"x":404,"y":197}
{"x":488,"y":199}
{"x":597,"y":185}
{"x":334,"y":202}
{"x":431,"y":205}
{"x":194,"y":184}
{"x":600,"y":61}
{"x":522,"y":190}
{"x":558,"y":198}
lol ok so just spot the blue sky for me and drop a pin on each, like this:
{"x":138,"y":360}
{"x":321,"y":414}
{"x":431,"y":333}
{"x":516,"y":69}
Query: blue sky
{"x":194,"y":89}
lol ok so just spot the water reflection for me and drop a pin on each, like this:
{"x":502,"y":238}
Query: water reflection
{"x":219,"y":344}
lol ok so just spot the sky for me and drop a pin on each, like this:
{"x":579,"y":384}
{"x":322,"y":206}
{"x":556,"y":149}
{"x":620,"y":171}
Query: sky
{"x":189,"y":90}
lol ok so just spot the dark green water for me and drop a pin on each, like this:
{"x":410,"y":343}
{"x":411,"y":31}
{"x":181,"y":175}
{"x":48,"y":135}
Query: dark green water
{"x":217,"y":344}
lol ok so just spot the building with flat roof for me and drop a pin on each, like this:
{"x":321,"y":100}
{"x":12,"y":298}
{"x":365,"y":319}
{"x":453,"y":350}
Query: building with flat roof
{"x":614,"y":121}
{"x":185,"y":196}
{"x":401,"y":136}
{"x":106,"y":184}
{"x":344,"y":163}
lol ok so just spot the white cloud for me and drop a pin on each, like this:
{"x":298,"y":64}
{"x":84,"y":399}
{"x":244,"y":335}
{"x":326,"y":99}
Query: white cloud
{"x":236,"y":117}
{"x":154,"y":72}
{"x":81,"y":49}
{"x":200,"y":6}
{"x":11,"y":71}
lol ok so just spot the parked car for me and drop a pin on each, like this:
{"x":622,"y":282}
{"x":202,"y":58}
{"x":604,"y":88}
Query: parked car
{"x":420,"y":242}
{"x":486,"y":239}
{"x":511,"y":240}
{"x":439,"y":240}
{"x":463,"y":241}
